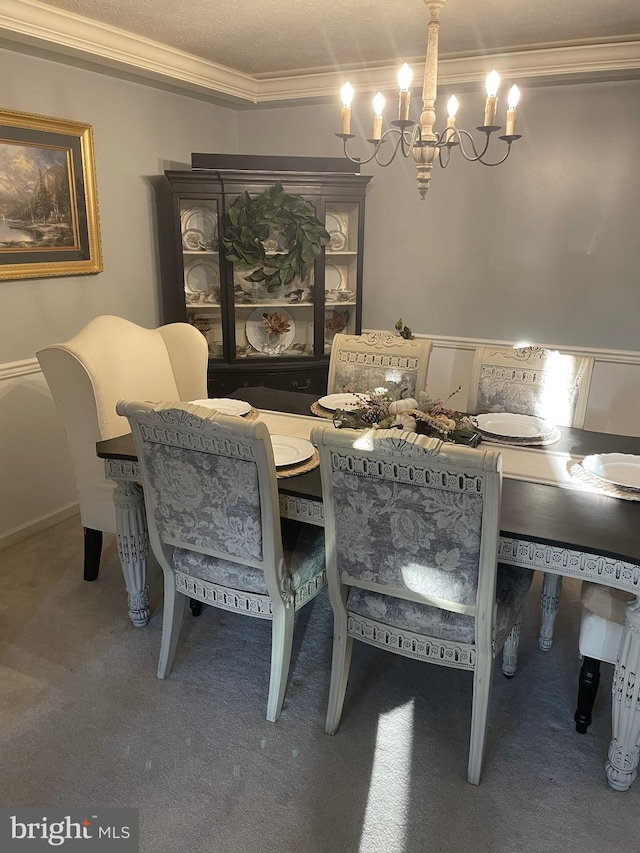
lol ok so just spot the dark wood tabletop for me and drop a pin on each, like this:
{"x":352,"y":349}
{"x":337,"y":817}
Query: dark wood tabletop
{"x":569,"y":518}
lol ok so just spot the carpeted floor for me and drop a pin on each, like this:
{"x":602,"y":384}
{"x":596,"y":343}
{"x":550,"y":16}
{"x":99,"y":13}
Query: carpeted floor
{"x":85,"y":722}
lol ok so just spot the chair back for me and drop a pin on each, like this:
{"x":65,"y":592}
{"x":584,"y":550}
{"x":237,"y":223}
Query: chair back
{"x":109,"y":359}
{"x":412,"y":517}
{"x":376,"y":360}
{"x":209,"y":483}
{"x":531,"y":380}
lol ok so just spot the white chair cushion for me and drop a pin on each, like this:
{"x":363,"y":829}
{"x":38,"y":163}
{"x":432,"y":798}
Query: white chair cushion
{"x":605,"y":601}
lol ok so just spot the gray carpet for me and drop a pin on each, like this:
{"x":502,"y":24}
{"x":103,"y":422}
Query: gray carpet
{"x":85,"y":722}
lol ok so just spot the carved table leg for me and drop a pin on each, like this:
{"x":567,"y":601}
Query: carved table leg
{"x":622,"y":763}
{"x":133,"y":547}
{"x":549,"y":605}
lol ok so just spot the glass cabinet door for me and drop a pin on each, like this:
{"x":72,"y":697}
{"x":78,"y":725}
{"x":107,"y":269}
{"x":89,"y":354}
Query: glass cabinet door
{"x":272,"y":319}
{"x":341,"y":270}
{"x":199,"y":229}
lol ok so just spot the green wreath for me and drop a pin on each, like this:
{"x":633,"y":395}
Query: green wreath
{"x":251,"y":221}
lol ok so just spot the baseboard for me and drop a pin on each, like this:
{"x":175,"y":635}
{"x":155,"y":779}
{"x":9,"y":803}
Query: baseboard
{"x":24,"y":531}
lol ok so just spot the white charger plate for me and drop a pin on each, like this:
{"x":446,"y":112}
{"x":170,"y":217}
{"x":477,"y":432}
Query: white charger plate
{"x":289,"y":450}
{"x":343,"y":401}
{"x":511,"y":425}
{"x":224,"y":405}
{"x":621,"y":469}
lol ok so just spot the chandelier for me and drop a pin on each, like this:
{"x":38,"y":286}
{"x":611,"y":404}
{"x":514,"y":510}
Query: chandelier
{"x":418,"y":139}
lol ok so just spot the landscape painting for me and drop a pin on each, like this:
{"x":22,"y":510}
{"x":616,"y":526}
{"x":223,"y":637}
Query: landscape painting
{"x":48,"y":205}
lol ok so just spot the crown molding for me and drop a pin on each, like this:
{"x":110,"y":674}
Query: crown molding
{"x":55,"y":33}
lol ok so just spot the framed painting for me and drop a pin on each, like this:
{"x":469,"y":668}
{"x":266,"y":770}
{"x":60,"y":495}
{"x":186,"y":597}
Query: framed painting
{"x":49,"y":223}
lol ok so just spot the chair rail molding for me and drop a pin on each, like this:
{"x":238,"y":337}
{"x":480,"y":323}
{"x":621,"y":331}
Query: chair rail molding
{"x":15,"y":369}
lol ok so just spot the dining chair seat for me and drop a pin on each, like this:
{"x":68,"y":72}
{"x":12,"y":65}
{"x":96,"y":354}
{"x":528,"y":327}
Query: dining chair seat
{"x":303,"y":553}
{"x":601,"y":626}
{"x":512,"y":586}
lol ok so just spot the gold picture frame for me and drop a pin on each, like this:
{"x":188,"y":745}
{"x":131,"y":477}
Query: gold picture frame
{"x":49,"y":223}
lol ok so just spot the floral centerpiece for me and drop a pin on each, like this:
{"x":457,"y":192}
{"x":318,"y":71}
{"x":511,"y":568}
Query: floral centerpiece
{"x":425,"y":415}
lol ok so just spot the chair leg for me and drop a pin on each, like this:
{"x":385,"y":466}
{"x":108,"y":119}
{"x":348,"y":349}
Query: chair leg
{"x":171,"y":624}
{"x":92,"y":553}
{"x":510,"y":650}
{"x":549,"y":604}
{"x":340,"y":663}
{"x":281,"y":642}
{"x":482,"y":680}
{"x":587,"y":690}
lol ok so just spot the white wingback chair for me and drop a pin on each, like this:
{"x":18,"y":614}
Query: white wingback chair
{"x":112,"y":358}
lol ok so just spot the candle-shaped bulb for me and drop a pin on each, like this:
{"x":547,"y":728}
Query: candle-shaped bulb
{"x":493,"y":82}
{"x":404,"y":81}
{"x":405,"y":75}
{"x":512,"y":100}
{"x":378,"y":106}
{"x":346,"y":93}
{"x":452,"y":107}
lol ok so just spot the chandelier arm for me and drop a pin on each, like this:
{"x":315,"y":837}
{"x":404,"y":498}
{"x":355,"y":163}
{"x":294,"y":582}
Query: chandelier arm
{"x":498,"y":162}
{"x":475,"y":157}
{"x":359,"y":159}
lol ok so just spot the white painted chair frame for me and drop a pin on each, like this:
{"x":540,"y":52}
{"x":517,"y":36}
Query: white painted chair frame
{"x":432,"y":455}
{"x":533,"y":363}
{"x":378,"y":350}
{"x":246,"y":440}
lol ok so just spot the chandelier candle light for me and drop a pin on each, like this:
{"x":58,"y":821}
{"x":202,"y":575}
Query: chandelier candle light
{"x":419,"y":139}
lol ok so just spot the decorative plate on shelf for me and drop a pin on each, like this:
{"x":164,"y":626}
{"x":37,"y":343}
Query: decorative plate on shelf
{"x":224,"y":405}
{"x":621,"y":469}
{"x":201,"y":276}
{"x":192,"y":239}
{"x":513,"y":425}
{"x":337,"y":241}
{"x":289,"y":450}
{"x":205,"y":221}
{"x":334,"y":224}
{"x":258,"y":336}
{"x":343,"y":401}
{"x":334,"y":278}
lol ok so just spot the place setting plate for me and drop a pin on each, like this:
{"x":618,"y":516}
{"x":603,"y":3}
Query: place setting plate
{"x":514,"y":428}
{"x":326,"y":406}
{"x":225,"y":405}
{"x":618,"y":469}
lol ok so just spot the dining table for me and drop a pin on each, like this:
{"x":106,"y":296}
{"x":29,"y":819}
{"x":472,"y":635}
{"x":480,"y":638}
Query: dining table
{"x":551,"y":520}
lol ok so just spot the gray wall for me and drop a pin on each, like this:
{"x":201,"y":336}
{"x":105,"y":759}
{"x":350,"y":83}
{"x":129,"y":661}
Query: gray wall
{"x":544,"y":248}
{"x":138,"y":132}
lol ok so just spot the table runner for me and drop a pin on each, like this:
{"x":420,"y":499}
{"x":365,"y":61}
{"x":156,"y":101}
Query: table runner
{"x":531,"y":464}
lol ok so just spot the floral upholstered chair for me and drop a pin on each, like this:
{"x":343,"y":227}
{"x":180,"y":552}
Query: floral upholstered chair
{"x":531,"y":380}
{"x":211,"y":498}
{"x":378,"y":360}
{"x":411,"y":527}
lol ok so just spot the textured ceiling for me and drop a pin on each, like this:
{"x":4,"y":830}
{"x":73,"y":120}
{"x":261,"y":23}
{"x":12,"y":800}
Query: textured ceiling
{"x":277,"y":37}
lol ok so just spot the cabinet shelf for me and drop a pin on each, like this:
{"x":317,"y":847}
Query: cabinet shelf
{"x":202,"y":199}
